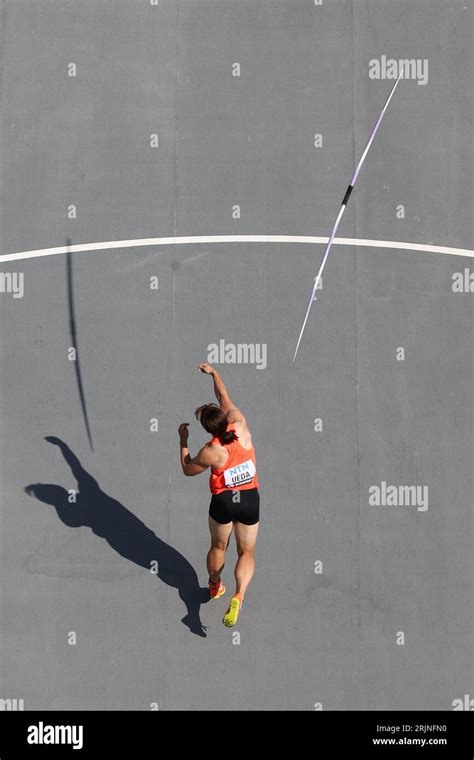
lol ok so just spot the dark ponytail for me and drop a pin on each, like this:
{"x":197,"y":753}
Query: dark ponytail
{"x":228,"y":437}
{"x":215,"y":421}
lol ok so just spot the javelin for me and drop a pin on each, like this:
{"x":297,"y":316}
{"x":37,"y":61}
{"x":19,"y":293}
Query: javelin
{"x":343,"y":208}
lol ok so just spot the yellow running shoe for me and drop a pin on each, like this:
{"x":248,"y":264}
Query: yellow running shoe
{"x":230,"y":617}
{"x":216,"y":589}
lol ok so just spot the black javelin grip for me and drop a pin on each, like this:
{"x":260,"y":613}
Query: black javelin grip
{"x":348,"y":194}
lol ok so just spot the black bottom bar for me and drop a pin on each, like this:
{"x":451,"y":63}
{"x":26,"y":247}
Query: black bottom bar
{"x":135,"y":734}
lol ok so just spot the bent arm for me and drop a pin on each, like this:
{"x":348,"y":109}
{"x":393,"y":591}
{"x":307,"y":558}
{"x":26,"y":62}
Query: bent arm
{"x":201,"y":462}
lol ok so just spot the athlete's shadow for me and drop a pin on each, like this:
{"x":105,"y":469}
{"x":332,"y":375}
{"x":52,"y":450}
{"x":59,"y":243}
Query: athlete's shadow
{"x":124,"y":532}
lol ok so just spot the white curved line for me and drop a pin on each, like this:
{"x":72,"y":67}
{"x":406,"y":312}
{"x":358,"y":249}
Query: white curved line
{"x":206,"y":239}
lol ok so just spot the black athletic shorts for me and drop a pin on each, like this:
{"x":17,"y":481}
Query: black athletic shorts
{"x":225,"y":508}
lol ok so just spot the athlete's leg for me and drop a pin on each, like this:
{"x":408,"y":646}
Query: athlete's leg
{"x":246,"y":537}
{"x":220,"y":535}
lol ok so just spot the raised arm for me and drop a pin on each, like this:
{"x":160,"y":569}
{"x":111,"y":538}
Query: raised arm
{"x":222,"y":394}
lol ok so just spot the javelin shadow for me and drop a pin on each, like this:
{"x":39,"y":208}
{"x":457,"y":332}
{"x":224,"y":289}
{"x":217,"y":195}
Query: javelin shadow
{"x":73,"y":335}
{"x":124,"y":532}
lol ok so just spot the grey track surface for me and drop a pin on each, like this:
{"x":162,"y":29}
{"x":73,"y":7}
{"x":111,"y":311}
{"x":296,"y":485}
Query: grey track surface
{"x":304,"y":638}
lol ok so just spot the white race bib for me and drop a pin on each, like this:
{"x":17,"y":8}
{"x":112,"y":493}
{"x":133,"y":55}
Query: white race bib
{"x":240,"y":474}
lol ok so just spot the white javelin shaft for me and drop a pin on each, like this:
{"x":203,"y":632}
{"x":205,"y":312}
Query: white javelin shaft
{"x":343,"y":208}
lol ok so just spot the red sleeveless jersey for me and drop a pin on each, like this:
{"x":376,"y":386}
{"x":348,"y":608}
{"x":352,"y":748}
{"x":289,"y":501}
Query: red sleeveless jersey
{"x":239,"y":472}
